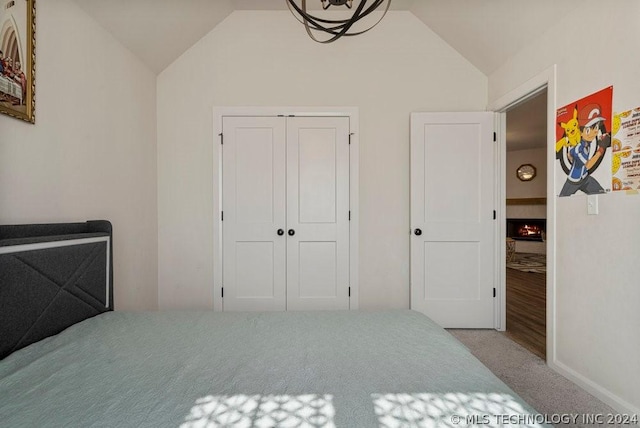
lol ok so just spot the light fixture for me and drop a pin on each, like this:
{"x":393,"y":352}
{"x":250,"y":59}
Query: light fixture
{"x":526,"y":172}
{"x":335,"y":28}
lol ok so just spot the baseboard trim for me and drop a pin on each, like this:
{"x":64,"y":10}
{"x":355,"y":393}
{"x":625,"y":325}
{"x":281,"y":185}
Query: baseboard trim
{"x":595,"y":389}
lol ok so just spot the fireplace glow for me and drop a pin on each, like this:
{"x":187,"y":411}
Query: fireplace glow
{"x":529,"y":230}
{"x":526,"y":229}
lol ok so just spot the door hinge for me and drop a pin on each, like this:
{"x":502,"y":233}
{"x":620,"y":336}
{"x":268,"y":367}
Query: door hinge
{"x":221,"y":138}
{"x":349,"y":215}
{"x":494,"y":292}
{"x":350,"y":137}
{"x":222,"y":292}
{"x":495,"y":137}
{"x":221,"y":215}
{"x":494,"y":214}
{"x":349,"y":291}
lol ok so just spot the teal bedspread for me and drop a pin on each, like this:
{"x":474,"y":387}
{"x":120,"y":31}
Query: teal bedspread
{"x":197,"y":369}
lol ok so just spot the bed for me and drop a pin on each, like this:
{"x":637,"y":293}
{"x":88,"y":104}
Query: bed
{"x":196,"y":369}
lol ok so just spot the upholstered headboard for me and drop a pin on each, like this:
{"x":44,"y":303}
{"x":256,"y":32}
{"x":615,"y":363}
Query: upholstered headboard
{"x":51,"y":277}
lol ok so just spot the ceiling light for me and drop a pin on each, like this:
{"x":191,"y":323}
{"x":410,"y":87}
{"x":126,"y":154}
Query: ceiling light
{"x":336,"y":28}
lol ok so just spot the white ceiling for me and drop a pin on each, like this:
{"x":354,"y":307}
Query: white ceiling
{"x":489,"y":32}
{"x":311,"y":4}
{"x":527,"y":124}
{"x":158,"y":31}
{"x":486,"y":32}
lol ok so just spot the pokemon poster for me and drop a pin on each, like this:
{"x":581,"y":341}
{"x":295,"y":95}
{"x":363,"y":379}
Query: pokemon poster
{"x":625,"y":151}
{"x":583,"y":145}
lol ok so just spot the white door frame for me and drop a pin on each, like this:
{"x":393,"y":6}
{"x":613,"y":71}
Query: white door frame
{"x":353,"y":115}
{"x":545,"y":79}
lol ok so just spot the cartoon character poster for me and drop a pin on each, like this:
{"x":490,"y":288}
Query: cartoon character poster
{"x":625,"y":148}
{"x":583,"y":147}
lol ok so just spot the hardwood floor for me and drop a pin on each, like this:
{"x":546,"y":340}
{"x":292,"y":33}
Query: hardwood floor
{"x":526,"y":310}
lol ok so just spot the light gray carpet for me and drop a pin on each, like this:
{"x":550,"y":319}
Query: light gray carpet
{"x":529,"y":376}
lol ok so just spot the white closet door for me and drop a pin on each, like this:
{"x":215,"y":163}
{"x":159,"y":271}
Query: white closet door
{"x":253,"y":203}
{"x":317,"y":213}
{"x":452,"y":218}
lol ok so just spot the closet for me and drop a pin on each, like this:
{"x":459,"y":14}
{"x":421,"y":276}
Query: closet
{"x":285,"y":213}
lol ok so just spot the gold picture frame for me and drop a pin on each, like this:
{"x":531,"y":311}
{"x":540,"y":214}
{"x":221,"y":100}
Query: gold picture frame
{"x":18,"y":59}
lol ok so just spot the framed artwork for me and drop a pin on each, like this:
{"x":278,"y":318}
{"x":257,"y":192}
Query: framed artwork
{"x":18,"y":58}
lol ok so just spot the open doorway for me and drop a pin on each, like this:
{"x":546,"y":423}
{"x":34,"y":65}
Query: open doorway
{"x":526,"y":218}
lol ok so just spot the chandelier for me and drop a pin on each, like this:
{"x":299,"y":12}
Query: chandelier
{"x":335,"y":28}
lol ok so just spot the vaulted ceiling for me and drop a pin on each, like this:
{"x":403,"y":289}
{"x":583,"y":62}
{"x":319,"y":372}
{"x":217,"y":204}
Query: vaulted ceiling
{"x":485,"y":32}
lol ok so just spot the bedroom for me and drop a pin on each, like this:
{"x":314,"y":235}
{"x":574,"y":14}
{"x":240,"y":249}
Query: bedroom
{"x":141,"y":142}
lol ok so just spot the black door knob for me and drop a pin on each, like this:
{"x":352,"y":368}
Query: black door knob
{"x":291,"y":232}
{"x":280,"y":232}
{"x":418,"y":232}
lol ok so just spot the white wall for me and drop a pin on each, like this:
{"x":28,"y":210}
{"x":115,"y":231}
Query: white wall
{"x":536,"y":188}
{"x":91,"y":153}
{"x":265,"y":58}
{"x":598,"y":258}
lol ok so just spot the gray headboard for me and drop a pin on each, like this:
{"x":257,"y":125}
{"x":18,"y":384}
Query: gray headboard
{"x":51,"y":277}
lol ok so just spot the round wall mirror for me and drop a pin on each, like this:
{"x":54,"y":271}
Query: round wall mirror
{"x":526,"y":172}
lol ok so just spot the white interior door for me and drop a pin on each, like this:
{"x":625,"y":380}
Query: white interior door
{"x":254,"y":209}
{"x":317,"y":213}
{"x":452,"y":218}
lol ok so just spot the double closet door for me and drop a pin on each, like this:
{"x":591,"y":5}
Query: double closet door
{"x":285,"y":202}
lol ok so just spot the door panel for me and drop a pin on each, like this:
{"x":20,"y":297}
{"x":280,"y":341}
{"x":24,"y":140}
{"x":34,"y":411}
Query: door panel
{"x":452,"y":203}
{"x":256,"y":282}
{"x":317,"y":267}
{"x":254,"y":175}
{"x":438,"y":282}
{"x":317,"y":175}
{"x":451,"y":173}
{"x":318,"y":212}
{"x":254,"y":255}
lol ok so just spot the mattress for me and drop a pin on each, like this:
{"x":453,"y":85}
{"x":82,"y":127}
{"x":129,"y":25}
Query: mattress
{"x":196,"y":369}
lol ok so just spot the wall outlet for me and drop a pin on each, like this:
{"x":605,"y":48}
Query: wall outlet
{"x":592,"y":204}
